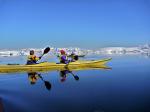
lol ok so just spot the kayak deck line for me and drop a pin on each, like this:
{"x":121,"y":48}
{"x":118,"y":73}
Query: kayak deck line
{"x":48,"y":66}
{"x":55,"y":69}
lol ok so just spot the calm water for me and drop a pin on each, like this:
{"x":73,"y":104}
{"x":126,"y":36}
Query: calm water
{"x":125,"y":88}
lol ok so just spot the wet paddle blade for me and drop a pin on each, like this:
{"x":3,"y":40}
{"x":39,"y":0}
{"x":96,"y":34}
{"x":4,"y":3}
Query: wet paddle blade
{"x":76,"y":78}
{"x":48,"y":85}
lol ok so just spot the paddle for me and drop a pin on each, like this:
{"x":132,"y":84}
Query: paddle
{"x":46,"y":50}
{"x":75,"y":76}
{"x":47,"y":84}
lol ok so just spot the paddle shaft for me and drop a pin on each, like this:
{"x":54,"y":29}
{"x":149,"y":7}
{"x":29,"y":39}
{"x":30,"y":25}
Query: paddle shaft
{"x":47,"y":84}
{"x":75,"y":76}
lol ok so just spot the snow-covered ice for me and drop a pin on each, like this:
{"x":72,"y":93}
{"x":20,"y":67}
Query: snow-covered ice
{"x":142,"y":49}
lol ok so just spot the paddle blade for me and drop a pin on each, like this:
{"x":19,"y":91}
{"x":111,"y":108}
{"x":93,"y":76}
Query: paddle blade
{"x":48,"y":85}
{"x":46,"y":50}
{"x":76,"y":78}
{"x":76,"y":57}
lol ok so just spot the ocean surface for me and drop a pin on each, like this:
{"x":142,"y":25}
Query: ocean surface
{"x":124,"y":88}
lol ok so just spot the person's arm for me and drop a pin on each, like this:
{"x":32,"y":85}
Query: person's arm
{"x":37,"y":58}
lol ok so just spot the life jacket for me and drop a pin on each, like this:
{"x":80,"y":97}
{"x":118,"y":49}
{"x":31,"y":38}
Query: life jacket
{"x":61,"y":60}
{"x":32,"y":59}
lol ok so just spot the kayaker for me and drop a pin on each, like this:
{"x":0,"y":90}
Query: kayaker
{"x":32,"y":58}
{"x":63,"y":57}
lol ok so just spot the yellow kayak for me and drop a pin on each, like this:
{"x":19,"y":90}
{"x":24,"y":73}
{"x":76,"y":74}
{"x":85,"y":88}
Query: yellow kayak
{"x":51,"y":66}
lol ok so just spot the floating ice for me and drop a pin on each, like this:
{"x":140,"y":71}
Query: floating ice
{"x":143,"y":49}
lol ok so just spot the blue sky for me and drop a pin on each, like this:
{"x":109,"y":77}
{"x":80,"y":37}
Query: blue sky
{"x":81,"y":23}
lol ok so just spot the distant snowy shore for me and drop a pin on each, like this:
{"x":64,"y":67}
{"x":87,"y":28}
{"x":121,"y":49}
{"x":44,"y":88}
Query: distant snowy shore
{"x":143,"y":49}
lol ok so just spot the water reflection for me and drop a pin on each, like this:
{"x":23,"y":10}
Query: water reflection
{"x":34,"y":76}
{"x":65,"y":73}
{"x":126,"y":86}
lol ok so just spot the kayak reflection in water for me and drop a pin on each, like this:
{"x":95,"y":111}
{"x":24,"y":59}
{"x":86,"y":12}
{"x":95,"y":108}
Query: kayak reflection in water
{"x":65,"y":73}
{"x":33,"y":77}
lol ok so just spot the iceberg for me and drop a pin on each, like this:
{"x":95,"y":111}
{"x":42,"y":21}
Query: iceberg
{"x":142,"y":49}
{"x":9,"y":53}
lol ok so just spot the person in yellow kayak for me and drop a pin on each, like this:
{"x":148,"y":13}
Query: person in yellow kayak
{"x":32,"y":58}
{"x":63,"y":57}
